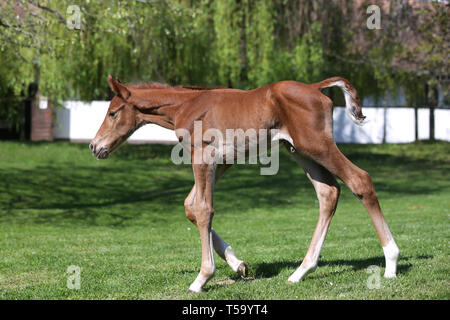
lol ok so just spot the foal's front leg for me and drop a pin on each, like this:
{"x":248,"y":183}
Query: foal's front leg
{"x":203,"y":210}
{"x":223,"y":249}
{"x":226,"y":252}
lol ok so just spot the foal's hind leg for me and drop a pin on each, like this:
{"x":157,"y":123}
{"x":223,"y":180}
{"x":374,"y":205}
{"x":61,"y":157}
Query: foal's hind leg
{"x":361,"y":185}
{"x":327,"y":190}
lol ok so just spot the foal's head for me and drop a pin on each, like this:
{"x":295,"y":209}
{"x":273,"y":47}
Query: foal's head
{"x":120,"y":122}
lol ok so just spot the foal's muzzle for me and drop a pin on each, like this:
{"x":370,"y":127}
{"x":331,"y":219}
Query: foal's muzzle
{"x":101,"y":153}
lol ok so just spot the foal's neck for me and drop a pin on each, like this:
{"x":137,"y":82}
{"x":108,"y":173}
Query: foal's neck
{"x":160,"y":106}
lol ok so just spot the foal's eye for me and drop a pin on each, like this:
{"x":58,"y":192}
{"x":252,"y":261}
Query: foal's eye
{"x":112,"y":114}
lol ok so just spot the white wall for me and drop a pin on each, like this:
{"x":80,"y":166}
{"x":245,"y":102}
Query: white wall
{"x":79,"y":121}
{"x":442,"y":124}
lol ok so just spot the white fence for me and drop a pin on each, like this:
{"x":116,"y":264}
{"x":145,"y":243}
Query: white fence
{"x":80,"y":121}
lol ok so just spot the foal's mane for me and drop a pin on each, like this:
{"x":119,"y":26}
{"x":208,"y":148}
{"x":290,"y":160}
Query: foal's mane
{"x":159,"y":85}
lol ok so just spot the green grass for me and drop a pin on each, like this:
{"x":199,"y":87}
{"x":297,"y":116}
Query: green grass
{"x":122,"y":221}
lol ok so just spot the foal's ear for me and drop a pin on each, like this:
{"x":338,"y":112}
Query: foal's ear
{"x":120,"y":89}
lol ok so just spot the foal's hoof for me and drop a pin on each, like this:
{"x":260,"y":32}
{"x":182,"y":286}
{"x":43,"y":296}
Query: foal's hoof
{"x":243,"y":269}
{"x":194,"y":292}
{"x":390,"y":275}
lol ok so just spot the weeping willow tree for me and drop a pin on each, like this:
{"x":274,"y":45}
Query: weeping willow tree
{"x":134,"y":40}
{"x":230,"y":43}
{"x":250,"y":52}
{"x":260,"y":42}
{"x":227,"y":17}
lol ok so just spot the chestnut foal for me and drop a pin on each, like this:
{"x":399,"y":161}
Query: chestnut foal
{"x":303,"y":116}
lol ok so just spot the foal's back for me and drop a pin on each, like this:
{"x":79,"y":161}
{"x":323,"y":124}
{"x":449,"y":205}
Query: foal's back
{"x":261,"y":108}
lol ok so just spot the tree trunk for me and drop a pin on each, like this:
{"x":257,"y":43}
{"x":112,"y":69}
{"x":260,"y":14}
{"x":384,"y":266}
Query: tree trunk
{"x":432,"y":107}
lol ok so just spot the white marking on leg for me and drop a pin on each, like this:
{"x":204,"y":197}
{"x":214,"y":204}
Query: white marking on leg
{"x":231,"y":259}
{"x":391,"y":254}
{"x":310,"y":262}
{"x":300,"y":273}
{"x":207,"y":270}
{"x":198,"y":283}
{"x":225,"y":251}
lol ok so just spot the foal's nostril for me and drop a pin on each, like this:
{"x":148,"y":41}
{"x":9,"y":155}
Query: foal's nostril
{"x":91,"y":146}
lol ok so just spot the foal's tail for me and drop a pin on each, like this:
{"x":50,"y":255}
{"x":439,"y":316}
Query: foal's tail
{"x":352,"y":102}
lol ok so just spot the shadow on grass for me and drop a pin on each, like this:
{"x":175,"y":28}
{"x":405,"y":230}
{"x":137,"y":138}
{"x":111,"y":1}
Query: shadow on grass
{"x":266,"y":270}
{"x":360,"y":264}
{"x":271,"y":269}
{"x":142,"y":175}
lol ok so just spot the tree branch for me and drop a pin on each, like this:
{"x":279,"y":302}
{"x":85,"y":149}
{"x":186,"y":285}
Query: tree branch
{"x":54,"y":12}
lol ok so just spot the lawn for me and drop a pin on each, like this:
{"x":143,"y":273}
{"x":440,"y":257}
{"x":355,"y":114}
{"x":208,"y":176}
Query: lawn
{"x":122,"y":222}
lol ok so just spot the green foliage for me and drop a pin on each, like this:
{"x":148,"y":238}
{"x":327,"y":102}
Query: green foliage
{"x":308,"y":60}
{"x":260,"y":40}
{"x":12,"y":86}
{"x":242,"y":44}
{"x":227,"y":46}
